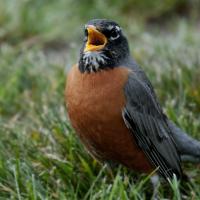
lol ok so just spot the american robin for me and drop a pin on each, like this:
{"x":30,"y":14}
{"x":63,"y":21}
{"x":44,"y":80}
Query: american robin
{"x":114,"y":109}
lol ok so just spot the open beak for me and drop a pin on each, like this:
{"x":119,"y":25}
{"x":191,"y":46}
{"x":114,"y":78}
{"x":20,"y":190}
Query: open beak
{"x":96,"y":40}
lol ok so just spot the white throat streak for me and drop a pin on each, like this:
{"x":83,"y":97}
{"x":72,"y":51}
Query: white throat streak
{"x":93,"y":60}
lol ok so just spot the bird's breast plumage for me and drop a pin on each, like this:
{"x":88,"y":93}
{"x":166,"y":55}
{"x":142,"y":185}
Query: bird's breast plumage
{"x":95,"y":102}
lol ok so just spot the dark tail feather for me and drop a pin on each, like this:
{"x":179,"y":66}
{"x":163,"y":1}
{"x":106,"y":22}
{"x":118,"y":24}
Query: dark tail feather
{"x":188,"y":147}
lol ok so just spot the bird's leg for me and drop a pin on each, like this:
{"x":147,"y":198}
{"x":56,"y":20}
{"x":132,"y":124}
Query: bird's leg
{"x":155,"y":180}
{"x":110,"y":165}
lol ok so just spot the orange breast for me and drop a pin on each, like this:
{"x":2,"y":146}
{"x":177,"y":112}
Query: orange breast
{"x":95,"y":102}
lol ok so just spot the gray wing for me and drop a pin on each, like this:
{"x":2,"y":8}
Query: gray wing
{"x":147,"y":123}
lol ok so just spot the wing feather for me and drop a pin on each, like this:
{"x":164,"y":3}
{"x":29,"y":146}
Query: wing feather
{"x":147,"y":123}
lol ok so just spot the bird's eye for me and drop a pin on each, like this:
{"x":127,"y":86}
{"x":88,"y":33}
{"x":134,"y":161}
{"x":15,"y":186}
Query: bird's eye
{"x":114,"y":34}
{"x":86,"y":32}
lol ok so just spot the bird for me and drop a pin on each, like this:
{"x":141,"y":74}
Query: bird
{"x":114,"y":109}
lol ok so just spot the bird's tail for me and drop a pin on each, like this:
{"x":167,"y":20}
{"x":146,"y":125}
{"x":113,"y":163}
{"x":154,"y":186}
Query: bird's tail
{"x":188,"y":147}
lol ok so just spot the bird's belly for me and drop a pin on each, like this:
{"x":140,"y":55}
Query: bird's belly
{"x":95,"y":103}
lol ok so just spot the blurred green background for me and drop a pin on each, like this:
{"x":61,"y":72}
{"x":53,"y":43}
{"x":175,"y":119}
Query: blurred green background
{"x":40,"y":156}
{"x":63,"y":19}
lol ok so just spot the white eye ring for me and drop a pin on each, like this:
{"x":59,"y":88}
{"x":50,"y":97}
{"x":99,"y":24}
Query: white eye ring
{"x":116,"y":30}
{"x":114,"y":38}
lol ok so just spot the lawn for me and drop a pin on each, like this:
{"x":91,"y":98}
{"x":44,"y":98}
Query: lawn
{"x":40,"y":155}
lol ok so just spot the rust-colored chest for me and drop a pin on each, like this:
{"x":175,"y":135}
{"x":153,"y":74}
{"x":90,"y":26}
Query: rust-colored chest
{"x":95,"y":102}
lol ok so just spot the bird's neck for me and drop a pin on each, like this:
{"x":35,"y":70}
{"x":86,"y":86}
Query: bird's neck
{"x":97,"y":62}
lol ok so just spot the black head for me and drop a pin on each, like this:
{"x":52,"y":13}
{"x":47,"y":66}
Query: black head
{"x":104,"y":46}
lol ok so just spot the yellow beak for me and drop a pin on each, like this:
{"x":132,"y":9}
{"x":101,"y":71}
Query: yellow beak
{"x":96,"y":40}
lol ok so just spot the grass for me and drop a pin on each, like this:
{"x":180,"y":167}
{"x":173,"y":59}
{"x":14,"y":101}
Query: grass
{"x":40,"y":155}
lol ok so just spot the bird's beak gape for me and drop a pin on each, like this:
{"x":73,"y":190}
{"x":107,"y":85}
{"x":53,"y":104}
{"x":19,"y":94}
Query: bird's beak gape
{"x":96,"y":40}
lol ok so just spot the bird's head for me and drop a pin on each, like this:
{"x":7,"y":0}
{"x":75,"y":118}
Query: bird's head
{"x":104,"y":46}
